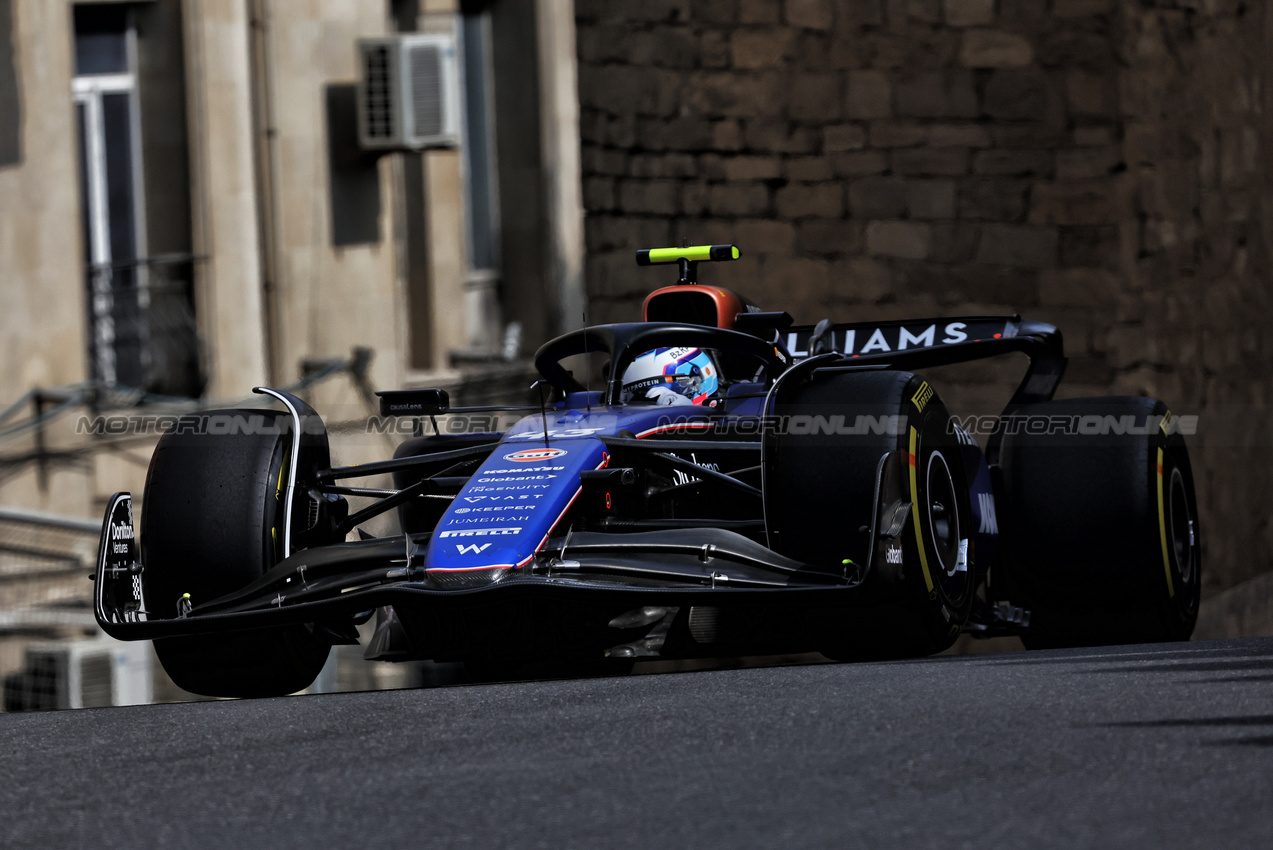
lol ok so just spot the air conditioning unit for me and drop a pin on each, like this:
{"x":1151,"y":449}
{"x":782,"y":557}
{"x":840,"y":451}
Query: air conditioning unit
{"x":81,"y":674}
{"x":409,"y":92}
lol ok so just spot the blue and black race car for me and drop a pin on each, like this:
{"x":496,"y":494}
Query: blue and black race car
{"x":710,"y":481}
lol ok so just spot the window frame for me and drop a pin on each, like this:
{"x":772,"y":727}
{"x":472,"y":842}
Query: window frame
{"x":88,"y":91}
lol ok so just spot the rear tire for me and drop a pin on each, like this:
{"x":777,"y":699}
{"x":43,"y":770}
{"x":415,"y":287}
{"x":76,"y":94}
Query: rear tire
{"x":1101,"y":534}
{"x":820,"y":494}
{"x":211,"y":524}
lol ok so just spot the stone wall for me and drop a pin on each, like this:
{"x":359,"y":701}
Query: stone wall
{"x":1094,"y":163}
{"x":1194,"y":301}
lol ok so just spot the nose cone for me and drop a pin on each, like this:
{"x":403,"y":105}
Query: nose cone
{"x":508,"y":509}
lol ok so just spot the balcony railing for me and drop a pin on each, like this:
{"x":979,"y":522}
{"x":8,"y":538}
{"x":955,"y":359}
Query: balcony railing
{"x":142,"y":330}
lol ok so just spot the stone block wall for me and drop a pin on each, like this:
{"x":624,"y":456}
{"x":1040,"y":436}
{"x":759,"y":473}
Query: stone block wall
{"x":1101,"y":164}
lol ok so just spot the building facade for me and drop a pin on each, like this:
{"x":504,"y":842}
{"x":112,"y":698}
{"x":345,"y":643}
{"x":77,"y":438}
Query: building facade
{"x":186,"y":211}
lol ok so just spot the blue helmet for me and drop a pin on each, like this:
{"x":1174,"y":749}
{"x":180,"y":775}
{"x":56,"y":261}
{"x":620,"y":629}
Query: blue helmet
{"x":672,"y":376}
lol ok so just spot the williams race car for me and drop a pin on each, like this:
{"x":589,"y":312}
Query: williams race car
{"x":710,"y":481}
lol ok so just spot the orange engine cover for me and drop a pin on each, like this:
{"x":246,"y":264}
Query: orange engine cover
{"x":694,"y":304}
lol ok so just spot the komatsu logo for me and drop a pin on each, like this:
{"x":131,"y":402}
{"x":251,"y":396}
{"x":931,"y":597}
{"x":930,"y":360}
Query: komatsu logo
{"x":530,"y":455}
{"x":523,"y":470}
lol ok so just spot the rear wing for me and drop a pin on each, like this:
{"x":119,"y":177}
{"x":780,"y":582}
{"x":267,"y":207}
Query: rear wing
{"x":918,"y":343}
{"x":906,"y":344}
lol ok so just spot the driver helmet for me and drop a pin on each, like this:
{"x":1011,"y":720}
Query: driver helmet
{"x":672,"y":376}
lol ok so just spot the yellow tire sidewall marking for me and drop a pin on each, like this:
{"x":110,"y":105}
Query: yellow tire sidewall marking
{"x":913,"y":461}
{"x":1162,"y":530}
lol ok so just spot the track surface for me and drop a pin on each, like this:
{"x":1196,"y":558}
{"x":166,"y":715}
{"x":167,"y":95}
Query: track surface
{"x":1164,"y":746}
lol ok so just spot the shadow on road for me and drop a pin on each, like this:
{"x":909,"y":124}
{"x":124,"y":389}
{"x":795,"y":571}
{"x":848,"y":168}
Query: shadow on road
{"x":1208,"y":723}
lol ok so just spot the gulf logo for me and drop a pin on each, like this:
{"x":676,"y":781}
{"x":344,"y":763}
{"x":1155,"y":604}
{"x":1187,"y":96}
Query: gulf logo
{"x":530,"y":455}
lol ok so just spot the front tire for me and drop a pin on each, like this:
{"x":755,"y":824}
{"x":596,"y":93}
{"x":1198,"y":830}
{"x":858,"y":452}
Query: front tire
{"x":211,"y":524}
{"x":820,"y":495}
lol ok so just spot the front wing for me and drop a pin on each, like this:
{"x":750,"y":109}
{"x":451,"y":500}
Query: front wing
{"x":682,"y":593}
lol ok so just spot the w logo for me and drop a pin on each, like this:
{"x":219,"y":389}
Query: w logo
{"x":472,"y":548}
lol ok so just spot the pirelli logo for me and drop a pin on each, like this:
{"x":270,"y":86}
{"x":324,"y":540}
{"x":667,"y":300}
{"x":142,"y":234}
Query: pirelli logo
{"x":482,"y":532}
{"x":922,"y":395}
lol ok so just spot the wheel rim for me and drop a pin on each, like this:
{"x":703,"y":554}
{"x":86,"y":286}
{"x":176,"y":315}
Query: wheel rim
{"x":943,"y":513}
{"x":1180,"y":527}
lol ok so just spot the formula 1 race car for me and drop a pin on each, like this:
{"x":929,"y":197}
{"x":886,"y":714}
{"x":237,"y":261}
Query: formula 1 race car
{"x":711,"y":481}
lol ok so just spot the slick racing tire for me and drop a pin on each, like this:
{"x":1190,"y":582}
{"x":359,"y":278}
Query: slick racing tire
{"x":212,"y":524}
{"x":1101,"y":539}
{"x":821,"y":500}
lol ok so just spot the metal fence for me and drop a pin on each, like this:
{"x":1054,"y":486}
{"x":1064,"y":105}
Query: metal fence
{"x":45,"y":561}
{"x":142,"y":325}
{"x":45,"y":593}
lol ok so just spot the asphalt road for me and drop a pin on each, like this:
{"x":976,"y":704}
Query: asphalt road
{"x":1165,"y":746}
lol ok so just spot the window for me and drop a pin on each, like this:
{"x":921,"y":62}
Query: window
{"x":479,"y":144}
{"x":105,"y":88}
{"x":141,"y":324}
